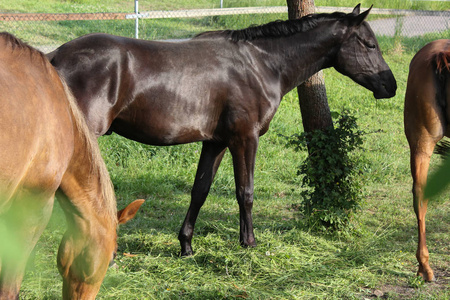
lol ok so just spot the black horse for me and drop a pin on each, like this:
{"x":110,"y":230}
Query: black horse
{"x":221,"y":88}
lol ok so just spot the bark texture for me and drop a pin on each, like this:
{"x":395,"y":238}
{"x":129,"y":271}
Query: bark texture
{"x":312,"y":94}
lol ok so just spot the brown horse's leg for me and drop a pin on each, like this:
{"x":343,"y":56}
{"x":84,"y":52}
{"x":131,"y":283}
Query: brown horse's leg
{"x":422,"y":132}
{"x":210,"y":159}
{"x":425,"y":124}
{"x":244,"y":153}
{"x":20,"y":229}
{"x":419,"y":168}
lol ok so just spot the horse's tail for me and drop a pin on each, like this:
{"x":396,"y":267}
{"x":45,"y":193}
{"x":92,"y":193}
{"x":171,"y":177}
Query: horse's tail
{"x":442,"y":60}
{"x":441,"y":70}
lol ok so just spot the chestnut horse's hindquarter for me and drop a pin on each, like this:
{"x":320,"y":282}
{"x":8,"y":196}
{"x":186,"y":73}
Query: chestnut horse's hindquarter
{"x":426,"y":121}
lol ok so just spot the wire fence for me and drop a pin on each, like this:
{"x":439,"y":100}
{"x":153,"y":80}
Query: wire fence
{"x":47,"y":31}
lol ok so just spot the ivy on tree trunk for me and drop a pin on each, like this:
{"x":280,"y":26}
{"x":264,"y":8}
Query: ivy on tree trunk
{"x":332,"y":192}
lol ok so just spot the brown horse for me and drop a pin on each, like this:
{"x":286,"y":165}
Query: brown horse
{"x":221,"y":88}
{"x":45,"y":147}
{"x":426,"y":117}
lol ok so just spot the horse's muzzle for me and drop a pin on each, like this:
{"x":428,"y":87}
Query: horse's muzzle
{"x":386,"y":85}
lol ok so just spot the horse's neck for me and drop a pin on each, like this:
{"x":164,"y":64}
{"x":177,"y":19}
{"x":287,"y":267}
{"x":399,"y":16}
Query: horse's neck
{"x":89,"y":180}
{"x":298,"y":57}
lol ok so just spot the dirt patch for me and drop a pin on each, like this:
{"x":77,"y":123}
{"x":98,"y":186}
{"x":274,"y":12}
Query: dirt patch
{"x":406,"y":291}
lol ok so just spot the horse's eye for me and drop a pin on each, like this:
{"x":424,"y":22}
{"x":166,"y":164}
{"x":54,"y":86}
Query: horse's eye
{"x":112,"y":262}
{"x":370,"y":45}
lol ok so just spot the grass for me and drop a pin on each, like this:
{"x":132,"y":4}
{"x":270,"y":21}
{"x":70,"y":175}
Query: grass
{"x":290,"y":262}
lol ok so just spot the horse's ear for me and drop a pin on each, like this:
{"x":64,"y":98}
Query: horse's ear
{"x":359,"y":18}
{"x":128,"y":213}
{"x":356,"y":9}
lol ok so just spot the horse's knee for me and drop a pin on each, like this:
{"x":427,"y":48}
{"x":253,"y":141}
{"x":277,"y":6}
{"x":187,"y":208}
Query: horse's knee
{"x":245,"y":197}
{"x":248,"y":200}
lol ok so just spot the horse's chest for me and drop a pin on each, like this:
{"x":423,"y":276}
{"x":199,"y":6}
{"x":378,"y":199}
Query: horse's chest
{"x":251,"y":117}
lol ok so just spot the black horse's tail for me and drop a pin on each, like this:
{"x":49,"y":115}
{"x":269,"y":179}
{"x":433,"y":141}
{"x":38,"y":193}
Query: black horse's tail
{"x":441,"y":67}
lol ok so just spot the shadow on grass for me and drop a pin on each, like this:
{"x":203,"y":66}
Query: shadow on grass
{"x":167,"y":201}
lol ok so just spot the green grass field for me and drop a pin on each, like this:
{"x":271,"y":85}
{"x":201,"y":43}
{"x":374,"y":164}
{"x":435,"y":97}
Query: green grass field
{"x":290,"y":261}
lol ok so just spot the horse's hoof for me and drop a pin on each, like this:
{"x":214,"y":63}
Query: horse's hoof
{"x":428,"y":277}
{"x":186,"y":253}
{"x":248,"y":245}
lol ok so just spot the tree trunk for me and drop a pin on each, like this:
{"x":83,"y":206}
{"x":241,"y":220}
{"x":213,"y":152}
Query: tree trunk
{"x":312,"y":94}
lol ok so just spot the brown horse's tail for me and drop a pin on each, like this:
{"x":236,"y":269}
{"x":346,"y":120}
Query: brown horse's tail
{"x":441,"y":69}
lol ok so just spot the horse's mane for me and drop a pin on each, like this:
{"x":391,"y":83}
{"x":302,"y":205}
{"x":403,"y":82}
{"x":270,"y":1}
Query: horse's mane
{"x":274,"y":29}
{"x":98,"y":167}
{"x":18,"y":45}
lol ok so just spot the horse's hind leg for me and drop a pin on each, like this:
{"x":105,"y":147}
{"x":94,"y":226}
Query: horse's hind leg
{"x":422,"y":132}
{"x":210,"y":159}
{"x":20,"y":228}
{"x":420,"y":160}
{"x":425,"y":124}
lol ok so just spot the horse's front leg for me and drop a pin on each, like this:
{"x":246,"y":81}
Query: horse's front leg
{"x":210,"y":159}
{"x":20,"y":228}
{"x":244,"y":153}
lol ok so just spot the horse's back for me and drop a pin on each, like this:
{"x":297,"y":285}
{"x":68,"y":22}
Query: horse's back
{"x":36,"y":133}
{"x":154,"y":92}
{"x":427,"y":112}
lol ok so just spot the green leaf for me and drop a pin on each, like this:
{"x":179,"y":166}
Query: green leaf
{"x":439,"y":180}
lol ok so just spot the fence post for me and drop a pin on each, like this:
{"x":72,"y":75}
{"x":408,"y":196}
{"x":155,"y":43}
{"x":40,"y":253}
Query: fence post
{"x":136,"y":16}
{"x":136,"y":11}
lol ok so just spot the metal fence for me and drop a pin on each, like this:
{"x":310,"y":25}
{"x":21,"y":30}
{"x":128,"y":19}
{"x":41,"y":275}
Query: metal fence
{"x":47,"y":31}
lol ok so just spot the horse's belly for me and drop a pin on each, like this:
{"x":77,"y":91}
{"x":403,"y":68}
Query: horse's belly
{"x":161,"y":134}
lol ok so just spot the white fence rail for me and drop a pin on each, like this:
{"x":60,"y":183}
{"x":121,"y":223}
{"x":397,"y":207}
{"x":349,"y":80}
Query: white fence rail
{"x":196,"y":13}
{"x":43,"y":29}
{"x":403,"y":22}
